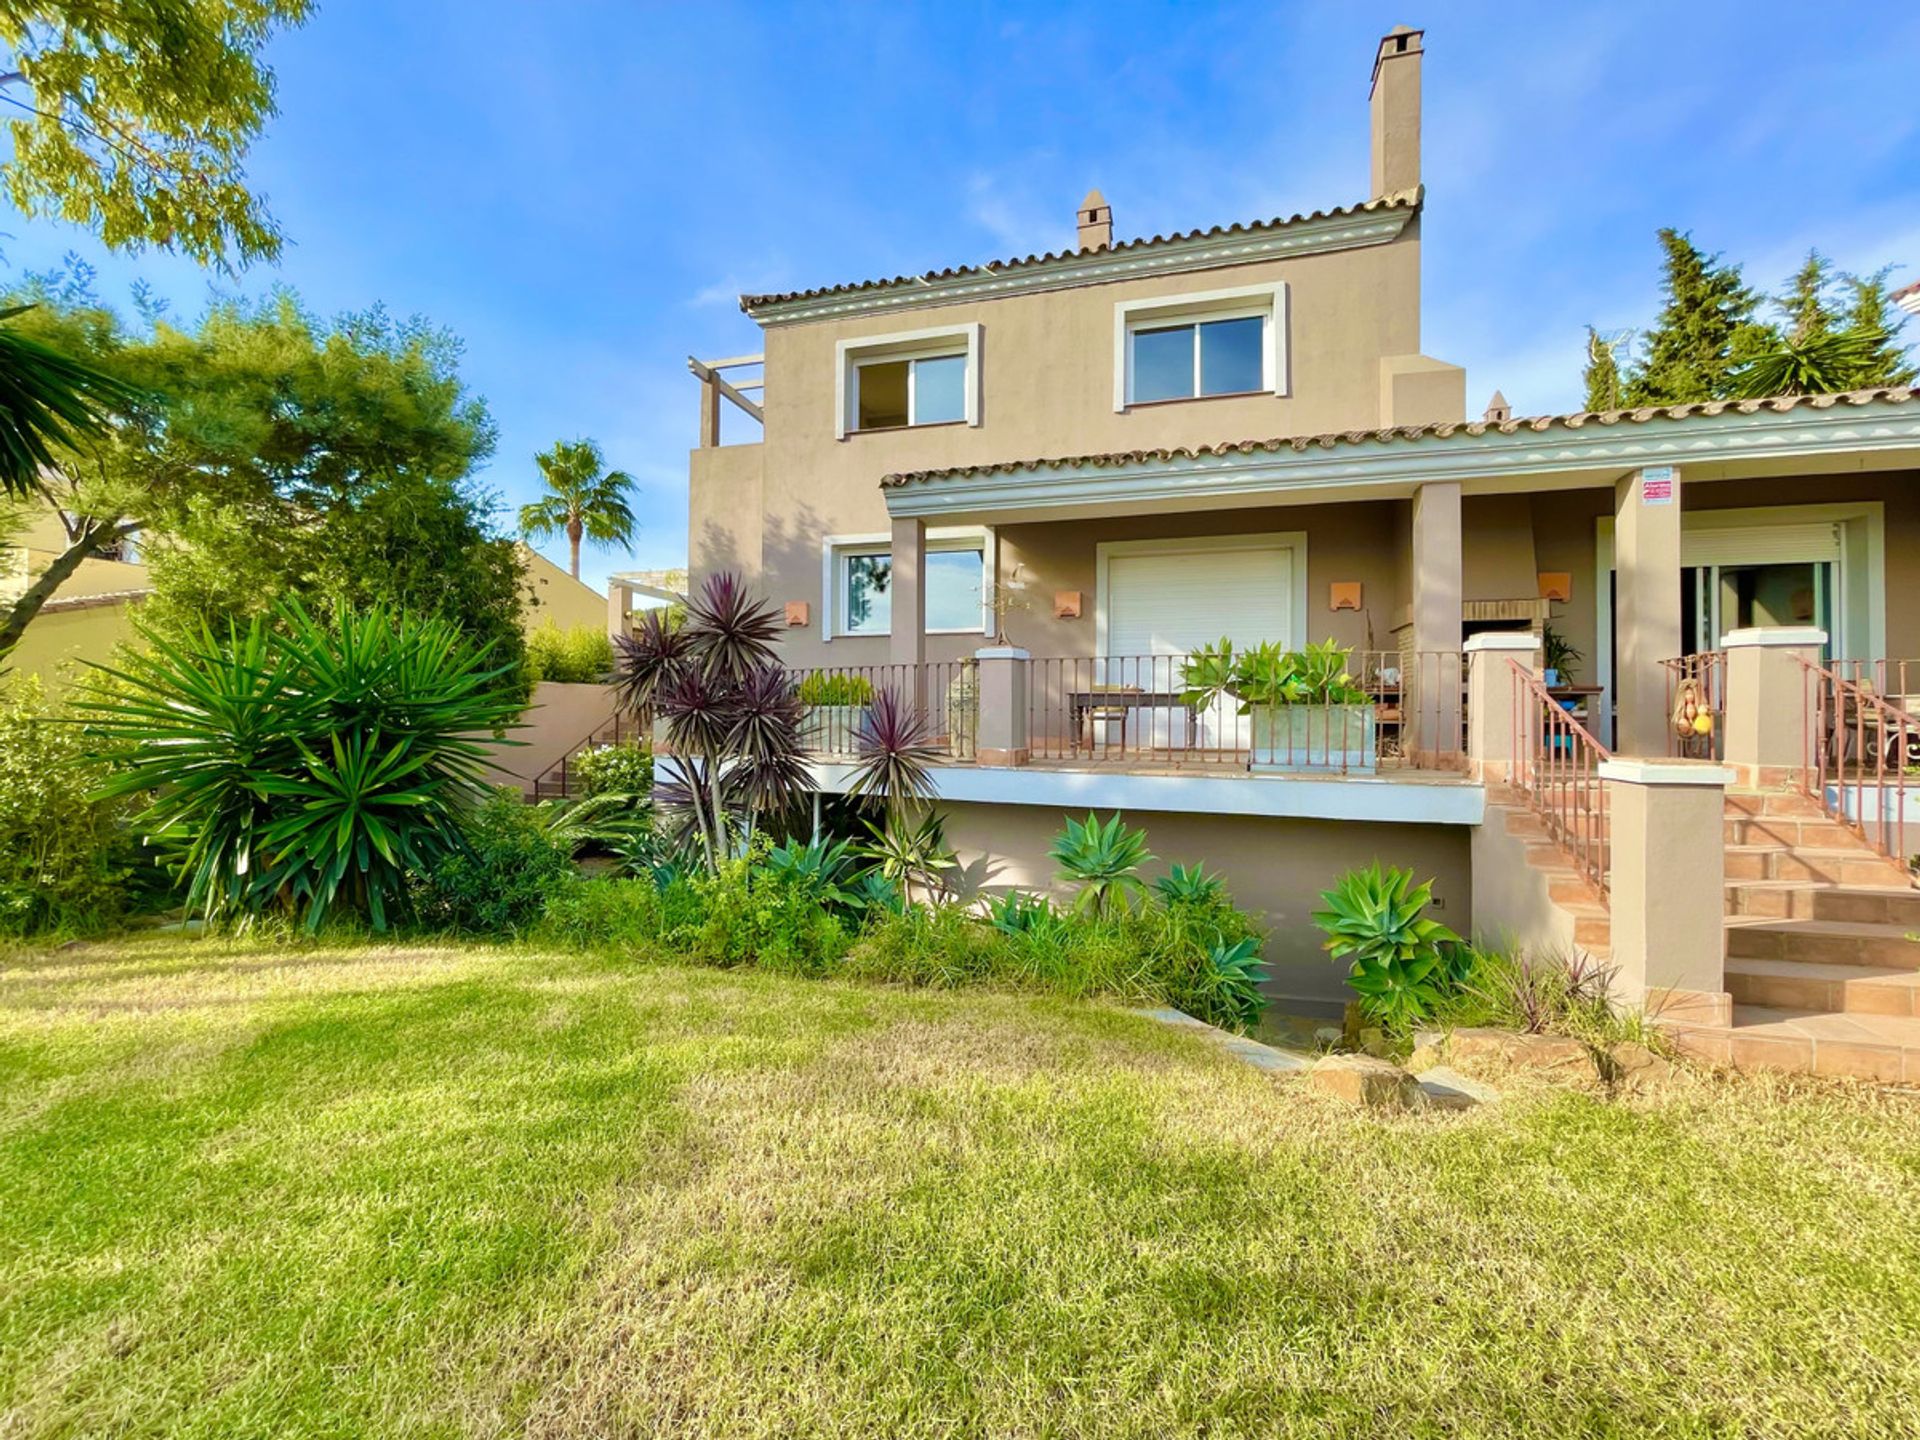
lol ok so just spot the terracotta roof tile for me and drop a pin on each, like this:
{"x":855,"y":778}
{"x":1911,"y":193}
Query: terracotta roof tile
{"x":1438,"y":431}
{"x":1906,"y":290}
{"x":1404,"y":200}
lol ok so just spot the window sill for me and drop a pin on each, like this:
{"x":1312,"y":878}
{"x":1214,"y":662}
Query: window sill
{"x":1200,"y":399}
{"x":888,"y":634}
{"x":899,"y":429}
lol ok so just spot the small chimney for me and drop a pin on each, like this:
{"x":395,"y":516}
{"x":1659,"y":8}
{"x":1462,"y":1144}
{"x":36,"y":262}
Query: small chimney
{"x":1498,"y":410}
{"x":1096,"y":222}
{"x":1396,"y":112}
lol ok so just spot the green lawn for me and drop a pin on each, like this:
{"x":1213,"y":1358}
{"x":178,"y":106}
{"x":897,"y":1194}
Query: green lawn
{"x":248,"y":1191}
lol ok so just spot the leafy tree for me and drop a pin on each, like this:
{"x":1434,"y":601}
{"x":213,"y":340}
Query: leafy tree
{"x":1887,"y":361}
{"x":1827,"y":352}
{"x":1706,"y":329}
{"x":134,"y":119}
{"x":584,"y":500}
{"x":275,"y":454}
{"x":1602,"y":374}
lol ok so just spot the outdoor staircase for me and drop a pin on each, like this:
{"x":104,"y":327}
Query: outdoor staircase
{"x":554,"y":783}
{"x":1821,"y":965}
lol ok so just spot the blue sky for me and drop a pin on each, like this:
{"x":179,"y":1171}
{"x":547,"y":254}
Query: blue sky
{"x":580,"y":191}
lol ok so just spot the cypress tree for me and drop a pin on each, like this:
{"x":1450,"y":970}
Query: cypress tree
{"x":1602,"y":374}
{"x":1884,"y":360}
{"x":1705,"y":330}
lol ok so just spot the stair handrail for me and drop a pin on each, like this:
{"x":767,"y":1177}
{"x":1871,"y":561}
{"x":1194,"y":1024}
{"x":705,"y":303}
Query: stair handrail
{"x":574,"y":749}
{"x":1555,"y":766}
{"x":1843,"y":715}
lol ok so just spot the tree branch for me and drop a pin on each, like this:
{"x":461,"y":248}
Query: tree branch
{"x":36,"y":595}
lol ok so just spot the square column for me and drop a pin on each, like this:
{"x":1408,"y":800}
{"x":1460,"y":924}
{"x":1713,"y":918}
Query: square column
{"x":1666,"y":886}
{"x":908,"y":576}
{"x":1492,"y":692}
{"x":1000,"y":736}
{"x":619,"y":609}
{"x":1436,"y":606}
{"x":1646,"y":570}
{"x":1768,"y":717}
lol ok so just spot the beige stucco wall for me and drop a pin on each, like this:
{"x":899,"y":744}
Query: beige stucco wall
{"x":559,"y":719}
{"x":57,"y":642}
{"x":1047,"y":381}
{"x":553,"y":597}
{"x":1276,"y":869}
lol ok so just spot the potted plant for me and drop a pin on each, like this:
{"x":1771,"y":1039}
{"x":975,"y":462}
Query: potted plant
{"x":830,"y":708}
{"x":1304,"y":710}
{"x":1558,"y":657}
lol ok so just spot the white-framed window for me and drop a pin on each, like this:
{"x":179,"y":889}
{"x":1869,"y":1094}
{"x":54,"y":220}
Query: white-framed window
{"x":1196,"y":346}
{"x":858,"y":575}
{"x":913,"y":377}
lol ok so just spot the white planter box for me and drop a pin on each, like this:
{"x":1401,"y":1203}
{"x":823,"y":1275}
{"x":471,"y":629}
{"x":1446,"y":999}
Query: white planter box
{"x":1312,"y":738}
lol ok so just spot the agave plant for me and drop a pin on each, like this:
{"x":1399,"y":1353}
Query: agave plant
{"x":732,"y":715}
{"x":821,"y":869}
{"x":1190,"y":885}
{"x":1400,"y":961}
{"x":301,"y":762}
{"x":1018,"y":913}
{"x":1236,"y":972}
{"x":1104,"y":861}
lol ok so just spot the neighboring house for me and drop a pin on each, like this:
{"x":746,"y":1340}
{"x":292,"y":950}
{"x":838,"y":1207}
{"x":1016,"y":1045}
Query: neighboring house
{"x":554,"y":597}
{"x":92,"y":612}
{"x":1113,"y":454}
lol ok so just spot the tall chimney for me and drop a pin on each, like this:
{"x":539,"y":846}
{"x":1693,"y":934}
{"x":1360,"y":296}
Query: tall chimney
{"x":1396,"y":112}
{"x":1096,"y":222}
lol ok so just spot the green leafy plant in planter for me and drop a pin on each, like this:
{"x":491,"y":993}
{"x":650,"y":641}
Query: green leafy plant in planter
{"x":1307,"y":711}
{"x":1403,"y":966}
{"x":1558,"y":657}
{"x":825,"y":687}
{"x":1104,"y":861}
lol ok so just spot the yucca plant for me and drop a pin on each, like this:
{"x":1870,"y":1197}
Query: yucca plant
{"x":302,"y":763}
{"x":1104,"y":861}
{"x":911,"y":853}
{"x":1399,"y":960}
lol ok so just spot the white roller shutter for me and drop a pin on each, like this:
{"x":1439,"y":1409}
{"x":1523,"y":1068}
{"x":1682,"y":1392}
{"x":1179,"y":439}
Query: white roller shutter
{"x":1817,"y":543}
{"x":1169,"y":602}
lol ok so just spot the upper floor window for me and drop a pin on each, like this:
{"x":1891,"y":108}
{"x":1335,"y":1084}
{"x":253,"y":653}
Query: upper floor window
{"x":1187,"y":347}
{"x":915,"y":377}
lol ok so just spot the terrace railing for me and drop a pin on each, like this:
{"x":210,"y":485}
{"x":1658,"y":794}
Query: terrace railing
{"x":1555,"y":766}
{"x":1697,"y":685}
{"x":834,"y":701}
{"x":1863,"y":751}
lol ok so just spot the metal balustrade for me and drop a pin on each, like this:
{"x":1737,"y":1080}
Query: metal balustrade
{"x":1555,"y":766}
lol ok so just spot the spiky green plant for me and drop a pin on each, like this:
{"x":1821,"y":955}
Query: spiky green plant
{"x":1104,"y":861}
{"x":1375,"y":918}
{"x":1190,"y":885}
{"x":302,"y":763}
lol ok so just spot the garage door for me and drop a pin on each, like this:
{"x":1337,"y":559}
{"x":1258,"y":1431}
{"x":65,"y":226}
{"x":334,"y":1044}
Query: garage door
{"x":1167,"y":602}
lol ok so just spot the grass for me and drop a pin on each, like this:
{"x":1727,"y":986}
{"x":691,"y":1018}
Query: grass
{"x":249,"y":1191}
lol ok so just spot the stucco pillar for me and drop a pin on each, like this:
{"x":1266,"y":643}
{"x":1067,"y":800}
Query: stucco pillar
{"x":909,"y":608}
{"x":1001,"y":734}
{"x":1666,"y":888}
{"x":1433,"y":685}
{"x":1491,"y":685}
{"x":1646,"y":566}
{"x":1768,"y":701}
{"x":619,"y":607}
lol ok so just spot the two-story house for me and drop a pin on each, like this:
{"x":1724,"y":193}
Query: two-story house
{"x":1112,"y":455}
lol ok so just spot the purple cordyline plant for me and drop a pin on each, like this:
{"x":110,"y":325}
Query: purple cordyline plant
{"x":732,"y":714}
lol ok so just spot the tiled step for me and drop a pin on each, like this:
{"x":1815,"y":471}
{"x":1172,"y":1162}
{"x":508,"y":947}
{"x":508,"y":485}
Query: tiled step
{"x":1863,"y":1047}
{"x":1785,"y":804}
{"x":1791,"y":832}
{"x":1819,"y":900}
{"x":1822,"y":942}
{"x":1844,"y":989}
{"x":1840,"y":867}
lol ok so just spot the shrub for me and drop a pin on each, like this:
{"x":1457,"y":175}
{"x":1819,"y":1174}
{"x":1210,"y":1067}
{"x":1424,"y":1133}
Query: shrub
{"x":65,"y":855}
{"x":604,"y":914}
{"x":1103,"y":860}
{"x":497,"y":881}
{"x":824,"y":687}
{"x":752,"y":913}
{"x":625,"y":769}
{"x":1403,"y":965}
{"x":295,"y":762}
{"x":940,"y":947}
{"x":578,"y":655}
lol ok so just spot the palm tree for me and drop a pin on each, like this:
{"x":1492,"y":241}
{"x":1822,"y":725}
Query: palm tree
{"x":583,"y":499}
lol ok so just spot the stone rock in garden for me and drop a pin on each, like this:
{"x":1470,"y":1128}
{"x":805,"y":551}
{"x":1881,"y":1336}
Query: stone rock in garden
{"x":1447,"y":1089}
{"x":1425,"y":1057}
{"x":1559,"y":1053}
{"x":1374,"y":1042}
{"x":1366,"y":1081}
{"x":1327,"y":1036}
{"x":1638,"y":1068}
